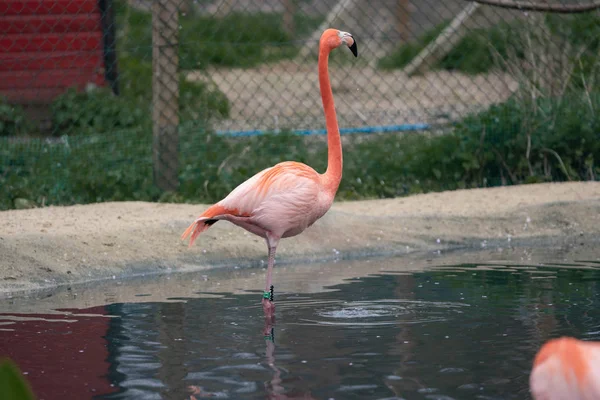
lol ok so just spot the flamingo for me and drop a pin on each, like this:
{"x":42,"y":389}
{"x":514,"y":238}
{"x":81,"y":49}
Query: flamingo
{"x":283,"y":200}
{"x":566,"y":369}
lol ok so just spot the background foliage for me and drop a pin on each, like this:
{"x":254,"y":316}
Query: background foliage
{"x":100,"y":147}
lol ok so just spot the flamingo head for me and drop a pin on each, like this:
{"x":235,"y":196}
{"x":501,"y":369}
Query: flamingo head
{"x":333,"y":38}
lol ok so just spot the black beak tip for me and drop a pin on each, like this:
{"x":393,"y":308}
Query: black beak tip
{"x":354,"y":49}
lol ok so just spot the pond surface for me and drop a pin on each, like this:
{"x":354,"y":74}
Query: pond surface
{"x":460,"y":331}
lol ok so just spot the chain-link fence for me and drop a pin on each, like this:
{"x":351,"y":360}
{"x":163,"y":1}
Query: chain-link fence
{"x":146,"y":99}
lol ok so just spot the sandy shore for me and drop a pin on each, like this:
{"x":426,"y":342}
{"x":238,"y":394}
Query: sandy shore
{"x":50,"y":246}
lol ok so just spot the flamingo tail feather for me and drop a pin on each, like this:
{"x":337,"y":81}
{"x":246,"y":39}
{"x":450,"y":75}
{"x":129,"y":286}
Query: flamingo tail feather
{"x":204,"y":221}
{"x":196,"y":228}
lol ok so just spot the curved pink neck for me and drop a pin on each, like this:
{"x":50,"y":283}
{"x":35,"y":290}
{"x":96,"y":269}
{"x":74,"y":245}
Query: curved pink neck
{"x":333,"y":175}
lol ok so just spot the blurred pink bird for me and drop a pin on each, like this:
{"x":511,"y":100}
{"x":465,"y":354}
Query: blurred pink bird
{"x":282,"y":201}
{"x":566,"y":369}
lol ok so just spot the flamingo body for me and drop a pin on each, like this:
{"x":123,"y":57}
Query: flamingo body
{"x":282,"y":200}
{"x":566,"y":369}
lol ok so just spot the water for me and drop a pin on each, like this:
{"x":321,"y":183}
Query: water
{"x":429,"y":330}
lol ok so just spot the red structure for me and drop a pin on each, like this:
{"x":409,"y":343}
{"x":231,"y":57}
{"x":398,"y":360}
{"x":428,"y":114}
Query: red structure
{"x":47,"y":46}
{"x":61,"y":359}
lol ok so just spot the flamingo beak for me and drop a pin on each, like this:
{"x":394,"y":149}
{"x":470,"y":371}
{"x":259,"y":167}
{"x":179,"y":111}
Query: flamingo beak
{"x":353,"y":48}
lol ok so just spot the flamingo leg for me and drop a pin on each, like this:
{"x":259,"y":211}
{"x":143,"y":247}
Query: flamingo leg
{"x":269,"y":285}
{"x":268,"y":297}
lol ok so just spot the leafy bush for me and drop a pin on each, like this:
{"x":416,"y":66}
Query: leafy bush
{"x":80,"y":169}
{"x":198,"y":100}
{"x":478,"y":52}
{"x":98,"y":110}
{"x":561,"y":136}
{"x":13,"y":120}
{"x":583,"y":35}
{"x":13,"y":383}
{"x":486,"y":149}
{"x":581,"y":29}
{"x":93,"y":111}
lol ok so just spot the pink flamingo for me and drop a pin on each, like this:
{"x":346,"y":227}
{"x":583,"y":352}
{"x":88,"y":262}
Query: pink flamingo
{"x":284,"y":200}
{"x":566,"y":369}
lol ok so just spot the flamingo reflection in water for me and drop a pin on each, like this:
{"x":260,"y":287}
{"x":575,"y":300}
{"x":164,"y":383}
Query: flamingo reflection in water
{"x":274,"y":388}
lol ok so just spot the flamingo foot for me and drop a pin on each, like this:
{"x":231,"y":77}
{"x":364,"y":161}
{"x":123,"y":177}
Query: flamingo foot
{"x":268,"y":302}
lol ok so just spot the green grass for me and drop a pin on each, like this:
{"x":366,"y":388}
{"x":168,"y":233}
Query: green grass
{"x":583,"y":33}
{"x":483,"y":49}
{"x":486,"y":149}
{"x":235,"y":40}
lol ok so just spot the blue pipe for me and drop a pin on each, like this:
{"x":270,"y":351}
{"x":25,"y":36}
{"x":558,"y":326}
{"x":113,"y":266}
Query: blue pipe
{"x":365,"y":129}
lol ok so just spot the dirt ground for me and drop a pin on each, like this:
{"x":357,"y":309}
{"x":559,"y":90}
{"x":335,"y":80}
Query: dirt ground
{"x":49,"y":246}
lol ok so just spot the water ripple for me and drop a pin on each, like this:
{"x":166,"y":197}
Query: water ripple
{"x":383,"y":312}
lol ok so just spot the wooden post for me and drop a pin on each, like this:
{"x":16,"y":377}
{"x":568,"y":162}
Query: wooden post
{"x":224,"y":8}
{"x":403,"y":10}
{"x":185,"y":7}
{"x":289,"y":9}
{"x":165,"y":93}
{"x":107,"y":19}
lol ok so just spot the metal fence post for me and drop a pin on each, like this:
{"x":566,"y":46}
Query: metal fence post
{"x":165,"y":93}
